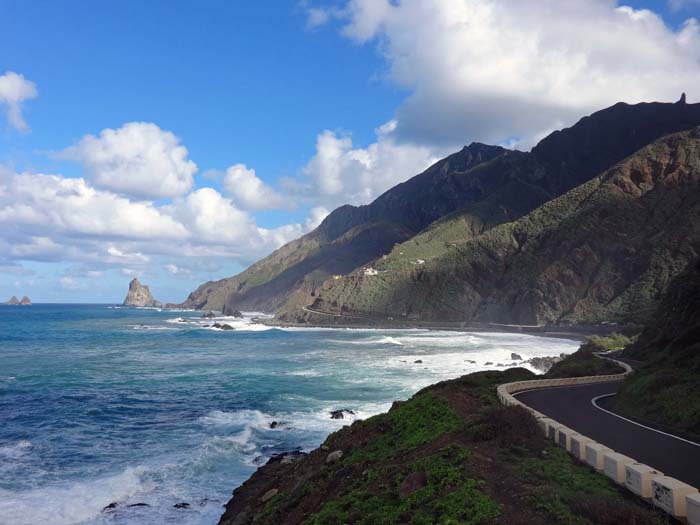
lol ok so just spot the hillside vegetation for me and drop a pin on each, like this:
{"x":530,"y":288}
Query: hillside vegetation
{"x":449,"y":455}
{"x":666,"y":388}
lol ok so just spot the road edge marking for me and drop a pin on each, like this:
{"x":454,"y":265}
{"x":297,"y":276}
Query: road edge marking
{"x":595,"y":404}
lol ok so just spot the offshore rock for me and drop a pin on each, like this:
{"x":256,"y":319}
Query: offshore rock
{"x":140,"y":295}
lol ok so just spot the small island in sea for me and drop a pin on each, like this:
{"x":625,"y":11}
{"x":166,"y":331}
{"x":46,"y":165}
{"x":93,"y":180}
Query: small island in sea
{"x":13,"y":301}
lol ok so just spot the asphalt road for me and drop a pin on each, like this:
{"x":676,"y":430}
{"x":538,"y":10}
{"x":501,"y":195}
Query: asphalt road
{"x":573,"y":407}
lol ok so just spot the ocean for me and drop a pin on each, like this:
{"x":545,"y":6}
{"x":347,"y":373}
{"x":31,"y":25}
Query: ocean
{"x":102,"y":404}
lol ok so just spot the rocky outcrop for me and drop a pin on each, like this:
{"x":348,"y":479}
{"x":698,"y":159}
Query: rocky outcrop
{"x":16,"y":302}
{"x":140,"y":295}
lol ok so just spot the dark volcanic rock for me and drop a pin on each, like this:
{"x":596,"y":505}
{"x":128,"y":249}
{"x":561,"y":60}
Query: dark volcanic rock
{"x":544,"y":363}
{"x":411,"y":483}
{"x":183,"y":505}
{"x":286,"y":457}
{"x":223,"y":326}
{"x":516,"y":357}
{"x":110,"y":507}
{"x":208,"y":315}
{"x":340,"y":414}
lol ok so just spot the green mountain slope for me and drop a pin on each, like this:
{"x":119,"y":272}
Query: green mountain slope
{"x":468,"y":193}
{"x":604,"y":251}
{"x":350,"y":236}
{"x":665,"y":390}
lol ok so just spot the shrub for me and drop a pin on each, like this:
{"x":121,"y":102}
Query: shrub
{"x":513,"y":427}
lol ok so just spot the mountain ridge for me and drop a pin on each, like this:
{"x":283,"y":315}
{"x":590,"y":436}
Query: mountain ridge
{"x":472,"y":191}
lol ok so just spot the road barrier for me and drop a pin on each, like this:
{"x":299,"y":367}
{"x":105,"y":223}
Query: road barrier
{"x":678,"y":499}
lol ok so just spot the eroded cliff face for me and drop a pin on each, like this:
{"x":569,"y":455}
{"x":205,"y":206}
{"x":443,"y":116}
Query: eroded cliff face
{"x":604,"y":251}
{"x":140,"y":295}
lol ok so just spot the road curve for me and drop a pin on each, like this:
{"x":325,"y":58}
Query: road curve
{"x":573,"y":407}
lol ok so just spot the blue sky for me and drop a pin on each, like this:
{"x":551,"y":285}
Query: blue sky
{"x":307,"y":104}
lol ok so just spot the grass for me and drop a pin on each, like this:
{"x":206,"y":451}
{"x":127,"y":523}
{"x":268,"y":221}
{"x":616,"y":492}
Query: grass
{"x":449,"y":497}
{"x":583,"y":362}
{"x":665,"y":395}
{"x":415,"y":422}
{"x":574,"y":494}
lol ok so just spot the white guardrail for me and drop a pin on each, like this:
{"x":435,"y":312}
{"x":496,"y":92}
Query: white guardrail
{"x":676,"y":498}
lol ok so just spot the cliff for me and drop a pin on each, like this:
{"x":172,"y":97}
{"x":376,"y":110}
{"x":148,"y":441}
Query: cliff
{"x":140,"y":295}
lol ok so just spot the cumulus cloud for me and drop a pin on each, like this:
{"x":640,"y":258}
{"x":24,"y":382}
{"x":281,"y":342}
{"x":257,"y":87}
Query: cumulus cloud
{"x":37,"y":202}
{"x":54,"y":218}
{"x":340,"y":173}
{"x":249,"y":191}
{"x":316,"y":216}
{"x":139,"y":160}
{"x":492,"y":70}
{"x":14,"y":90}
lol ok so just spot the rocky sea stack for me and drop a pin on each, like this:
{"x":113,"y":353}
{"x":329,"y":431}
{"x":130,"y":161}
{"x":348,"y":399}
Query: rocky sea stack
{"x":16,"y":302}
{"x":140,"y":295}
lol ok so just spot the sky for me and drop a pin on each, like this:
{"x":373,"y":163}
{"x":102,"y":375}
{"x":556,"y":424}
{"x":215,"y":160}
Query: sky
{"x":179,"y":142}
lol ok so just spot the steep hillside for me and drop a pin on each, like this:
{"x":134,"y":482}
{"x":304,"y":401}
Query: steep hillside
{"x":666,"y":388}
{"x":603,"y":251}
{"x":469,"y":192}
{"x":350,"y":236}
{"x":449,"y":455}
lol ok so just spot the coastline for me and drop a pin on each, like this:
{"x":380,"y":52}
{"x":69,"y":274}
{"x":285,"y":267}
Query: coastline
{"x":575,"y":332}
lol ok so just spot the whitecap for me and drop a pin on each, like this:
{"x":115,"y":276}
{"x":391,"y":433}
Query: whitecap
{"x":15,"y":450}
{"x":62,"y":504}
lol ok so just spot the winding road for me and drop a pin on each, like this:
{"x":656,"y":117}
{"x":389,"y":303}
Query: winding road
{"x":577,"y":408}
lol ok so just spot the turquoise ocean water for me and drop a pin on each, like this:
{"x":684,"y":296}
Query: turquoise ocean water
{"x":102,"y":404}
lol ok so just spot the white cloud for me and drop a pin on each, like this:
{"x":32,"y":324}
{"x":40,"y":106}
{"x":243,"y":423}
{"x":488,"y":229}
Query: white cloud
{"x":490,"y":70}
{"x":38,"y":202}
{"x":54,"y":218}
{"x":316,"y":216}
{"x":14,"y":90}
{"x":139,"y":159}
{"x":250,"y":192}
{"x":340,"y":173}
